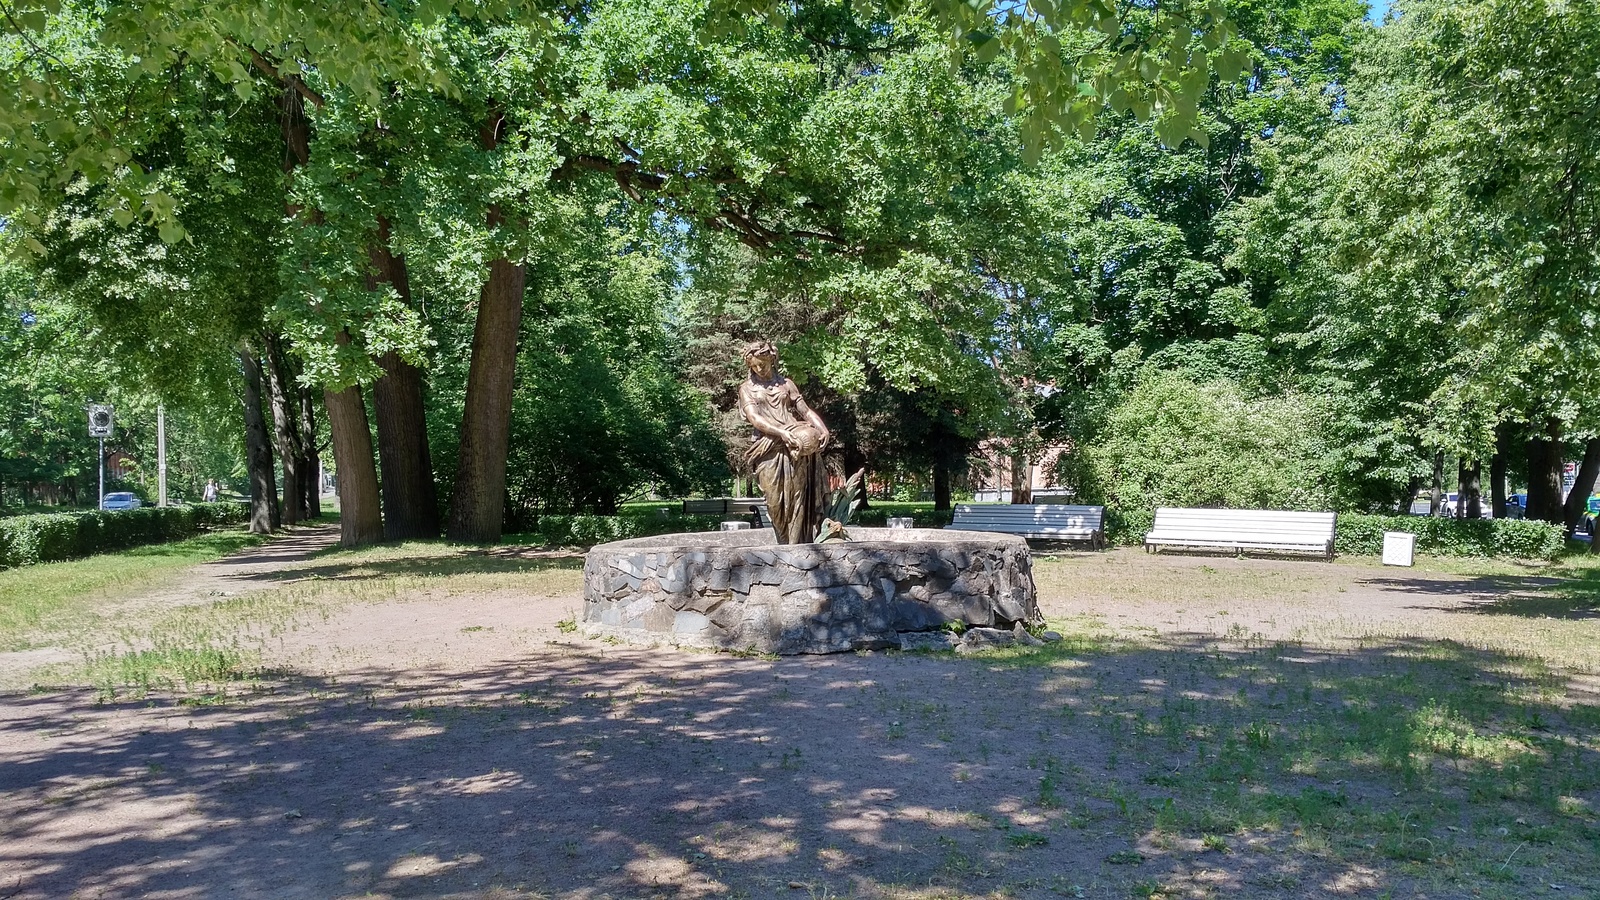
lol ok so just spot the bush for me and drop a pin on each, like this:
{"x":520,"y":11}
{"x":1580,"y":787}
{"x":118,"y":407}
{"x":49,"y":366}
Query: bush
{"x":1517,"y":538}
{"x":1127,"y":527}
{"x":881,"y":511}
{"x":51,"y":537}
{"x":1173,"y":442}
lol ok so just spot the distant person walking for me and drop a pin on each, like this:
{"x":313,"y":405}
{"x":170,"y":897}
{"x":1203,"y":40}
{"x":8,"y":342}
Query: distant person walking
{"x":210,"y":494}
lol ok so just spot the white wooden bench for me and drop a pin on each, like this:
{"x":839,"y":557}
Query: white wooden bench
{"x":1243,"y":529}
{"x":1039,"y":521}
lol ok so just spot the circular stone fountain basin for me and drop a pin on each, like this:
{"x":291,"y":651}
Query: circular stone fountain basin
{"x":739,"y":590}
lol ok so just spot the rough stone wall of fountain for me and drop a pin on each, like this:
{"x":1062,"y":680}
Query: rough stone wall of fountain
{"x":739,"y":590}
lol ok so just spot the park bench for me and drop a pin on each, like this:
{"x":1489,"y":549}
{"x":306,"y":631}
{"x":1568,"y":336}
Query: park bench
{"x":1038,"y":521}
{"x":716,"y":506}
{"x":722,"y":506}
{"x":1238,"y":530}
{"x":733,"y":507}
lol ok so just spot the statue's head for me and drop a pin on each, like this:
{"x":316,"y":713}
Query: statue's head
{"x":760,"y":355}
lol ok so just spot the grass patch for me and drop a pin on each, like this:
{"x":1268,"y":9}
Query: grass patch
{"x":138,"y":672}
{"x":218,"y":647}
{"x":1427,"y":755}
{"x":55,"y":597}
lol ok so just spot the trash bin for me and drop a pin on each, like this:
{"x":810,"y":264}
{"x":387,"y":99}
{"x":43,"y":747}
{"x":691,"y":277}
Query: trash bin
{"x":1399,"y":548}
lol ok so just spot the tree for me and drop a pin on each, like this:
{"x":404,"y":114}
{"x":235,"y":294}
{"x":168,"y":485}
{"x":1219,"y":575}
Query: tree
{"x":1432,"y":247}
{"x":374,"y":56}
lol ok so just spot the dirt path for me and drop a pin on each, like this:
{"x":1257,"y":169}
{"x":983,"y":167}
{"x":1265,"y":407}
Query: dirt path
{"x":259,"y":568}
{"x":450,"y":742}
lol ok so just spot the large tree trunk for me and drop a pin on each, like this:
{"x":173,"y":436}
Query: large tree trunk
{"x":1544,"y":475}
{"x":1470,"y":492}
{"x":285,"y":422}
{"x":359,"y":520}
{"x":1578,"y":498}
{"x":310,"y":462}
{"x":410,"y":501}
{"x":941,"y":485}
{"x":1497,"y":470}
{"x":478,"y":503}
{"x":1021,"y":476}
{"x":295,"y":127}
{"x":258,"y":450}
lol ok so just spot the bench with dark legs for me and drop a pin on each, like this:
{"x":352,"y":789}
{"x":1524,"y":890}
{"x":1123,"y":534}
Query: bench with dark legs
{"x":733,"y":507}
{"x":1237,"y":530}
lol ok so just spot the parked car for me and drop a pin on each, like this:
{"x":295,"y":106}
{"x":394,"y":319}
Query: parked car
{"x":120,"y":500}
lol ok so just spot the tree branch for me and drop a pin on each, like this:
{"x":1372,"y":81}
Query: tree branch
{"x":635,"y":180}
{"x":293,"y":81}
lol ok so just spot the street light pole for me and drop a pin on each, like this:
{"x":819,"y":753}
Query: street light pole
{"x":161,"y":455}
{"x":102,"y":503}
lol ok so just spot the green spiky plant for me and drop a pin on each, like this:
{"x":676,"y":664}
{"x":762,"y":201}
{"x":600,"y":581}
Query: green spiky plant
{"x":839,"y":508}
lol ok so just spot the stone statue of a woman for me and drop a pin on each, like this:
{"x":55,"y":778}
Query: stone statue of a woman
{"x":785,"y":447}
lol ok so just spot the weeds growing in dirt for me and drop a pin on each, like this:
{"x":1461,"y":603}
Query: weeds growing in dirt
{"x":49,"y":599}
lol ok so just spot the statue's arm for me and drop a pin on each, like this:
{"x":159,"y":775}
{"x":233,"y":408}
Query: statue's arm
{"x":759,"y":420}
{"x":811,"y":416}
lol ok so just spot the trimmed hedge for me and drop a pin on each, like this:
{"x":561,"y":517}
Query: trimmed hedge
{"x":585,"y":530}
{"x":51,"y":537}
{"x":1517,"y":538}
{"x":881,"y":511}
{"x":1362,"y":534}
{"x":1358,"y":533}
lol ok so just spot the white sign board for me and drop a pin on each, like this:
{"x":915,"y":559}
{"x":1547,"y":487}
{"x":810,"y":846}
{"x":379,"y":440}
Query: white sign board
{"x":1399,"y":548}
{"x":100,"y":420}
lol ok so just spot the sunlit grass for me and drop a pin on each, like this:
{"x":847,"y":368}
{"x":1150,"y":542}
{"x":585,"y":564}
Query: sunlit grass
{"x":57,"y":597}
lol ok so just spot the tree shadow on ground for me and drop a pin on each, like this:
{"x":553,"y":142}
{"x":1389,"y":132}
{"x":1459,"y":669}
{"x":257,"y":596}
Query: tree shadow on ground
{"x":1536,"y":597}
{"x":1224,"y":553}
{"x":500,"y":560}
{"x":277,"y":549}
{"x":598,"y":772}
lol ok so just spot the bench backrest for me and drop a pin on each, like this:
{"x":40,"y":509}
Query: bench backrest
{"x":1309,"y":527}
{"x":746,"y":505}
{"x":1045,"y":515}
{"x":722,"y":506}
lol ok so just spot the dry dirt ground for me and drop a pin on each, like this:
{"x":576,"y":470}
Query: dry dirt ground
{"x":430,"y":732}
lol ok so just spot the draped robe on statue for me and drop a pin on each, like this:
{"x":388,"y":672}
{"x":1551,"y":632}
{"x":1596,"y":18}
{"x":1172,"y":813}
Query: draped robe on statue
{"x":792,"y":480}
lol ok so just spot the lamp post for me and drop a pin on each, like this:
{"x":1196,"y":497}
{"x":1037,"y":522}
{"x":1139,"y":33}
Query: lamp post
{"x":161,"y":455}
{"x":100,"y":420}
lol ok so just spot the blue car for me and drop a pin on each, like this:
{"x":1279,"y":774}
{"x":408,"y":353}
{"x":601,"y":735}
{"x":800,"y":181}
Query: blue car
{"x":120,"y":500}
